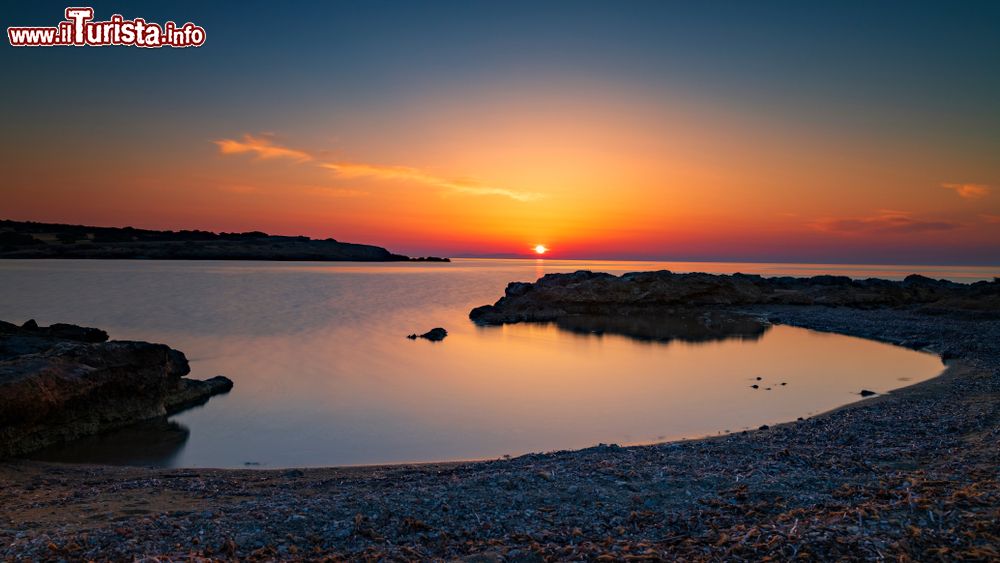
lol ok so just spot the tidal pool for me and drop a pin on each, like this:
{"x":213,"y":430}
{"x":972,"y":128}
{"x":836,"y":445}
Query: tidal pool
{"x":324,"y":374}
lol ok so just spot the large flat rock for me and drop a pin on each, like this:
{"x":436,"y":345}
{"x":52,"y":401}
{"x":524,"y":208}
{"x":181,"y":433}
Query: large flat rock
{"x":558,"y":296}
{"x":62,"y":382}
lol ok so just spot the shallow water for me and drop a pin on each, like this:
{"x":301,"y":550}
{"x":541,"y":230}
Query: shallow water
{"x":325,"y":376}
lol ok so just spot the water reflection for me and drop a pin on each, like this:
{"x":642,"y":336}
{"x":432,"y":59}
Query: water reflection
{"x":154,"y":442}
{"x":324,"y":373}
{"x":669,"y":326}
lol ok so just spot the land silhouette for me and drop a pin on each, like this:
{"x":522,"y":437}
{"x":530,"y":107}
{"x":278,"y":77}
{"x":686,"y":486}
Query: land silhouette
{"x":28,"y":239}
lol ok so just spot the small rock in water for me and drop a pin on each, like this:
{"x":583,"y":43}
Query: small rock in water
{"x":434,"y":335}
{"x":759,"y":378}
{"x":755,"y":386}
{"x":867,"y":393}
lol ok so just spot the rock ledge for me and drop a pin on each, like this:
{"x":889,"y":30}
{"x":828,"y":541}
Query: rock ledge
{"x":63,"y":382}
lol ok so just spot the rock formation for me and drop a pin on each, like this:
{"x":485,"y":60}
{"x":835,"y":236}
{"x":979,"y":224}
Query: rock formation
{"x":62,"y":382}
{"x":557,"y":296}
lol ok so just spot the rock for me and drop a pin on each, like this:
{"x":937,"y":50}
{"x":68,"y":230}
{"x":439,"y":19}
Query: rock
{"x":434,"y":335}
{"x":755,"y":386}
{"x":58,"y":330}
{"x":867,"y":393}
{"x":63,"y":382}
{"x":557,"y":296}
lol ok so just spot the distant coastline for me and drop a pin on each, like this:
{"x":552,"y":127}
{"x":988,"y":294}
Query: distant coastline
{"x":31,"y":240}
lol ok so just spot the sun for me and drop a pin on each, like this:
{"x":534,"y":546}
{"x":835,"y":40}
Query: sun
{"x":541,"y":249}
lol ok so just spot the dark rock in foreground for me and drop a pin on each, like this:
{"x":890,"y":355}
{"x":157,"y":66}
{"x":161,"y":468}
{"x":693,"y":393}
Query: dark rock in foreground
{"x":434,"y":335}
{"x":558,"y":296}
{"x":52,"y":240}
{"x":62,"y":382}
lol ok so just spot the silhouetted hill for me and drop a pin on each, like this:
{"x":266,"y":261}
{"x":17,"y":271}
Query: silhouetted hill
{"x":28,"y":239}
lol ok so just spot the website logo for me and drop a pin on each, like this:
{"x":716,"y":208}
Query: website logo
{"x":79,"y":29}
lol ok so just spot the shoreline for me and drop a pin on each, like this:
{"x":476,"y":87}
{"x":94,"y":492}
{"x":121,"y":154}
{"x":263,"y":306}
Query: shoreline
{"x":796,"y":483}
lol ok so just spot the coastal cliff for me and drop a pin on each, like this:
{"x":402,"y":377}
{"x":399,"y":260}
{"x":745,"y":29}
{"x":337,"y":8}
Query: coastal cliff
{"x":26,"y":239}
{"x":62,"y":382}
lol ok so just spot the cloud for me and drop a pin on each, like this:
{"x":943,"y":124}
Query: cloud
{"x":968,"y":191}
{"x":885,"y":221}
{"x":261,"y":147}
{"x":265,"y":149}
{"x":990,"y":218}
{"x":354,"y":170}
{"x":327,"y":191}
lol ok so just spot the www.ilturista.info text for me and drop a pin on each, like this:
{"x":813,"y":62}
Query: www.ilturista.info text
{"x":79,"y":29}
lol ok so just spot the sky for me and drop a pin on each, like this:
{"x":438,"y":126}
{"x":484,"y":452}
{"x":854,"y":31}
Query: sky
{"x":857,"y":132}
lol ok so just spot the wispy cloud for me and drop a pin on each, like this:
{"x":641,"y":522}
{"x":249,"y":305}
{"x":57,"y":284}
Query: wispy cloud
{"x":406,"y":173}
{"x":264,"y":148}
{"x":328,"y":191}
{"x":885,"y":221}
{"x":990,"y":218}
{"x":968,"y":191}
{"x":261,"y":147}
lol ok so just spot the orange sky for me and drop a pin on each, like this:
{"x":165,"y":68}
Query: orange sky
{"x":609,"y":164}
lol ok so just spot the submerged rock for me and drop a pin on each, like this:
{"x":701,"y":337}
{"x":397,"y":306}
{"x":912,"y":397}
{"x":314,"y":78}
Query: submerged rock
{"x":434,"y":335}
{"x":62,"y":382}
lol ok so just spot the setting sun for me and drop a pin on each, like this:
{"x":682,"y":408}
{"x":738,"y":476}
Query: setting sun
{"x":541,"y":249}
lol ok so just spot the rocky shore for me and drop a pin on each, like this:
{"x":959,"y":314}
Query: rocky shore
{"x":63,"y":382}
{"x":910,"y":475}
{"x":558,"y":296}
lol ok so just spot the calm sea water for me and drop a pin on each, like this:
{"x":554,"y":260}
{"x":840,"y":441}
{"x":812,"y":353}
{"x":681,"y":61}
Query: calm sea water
{"x":325,"y":376}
